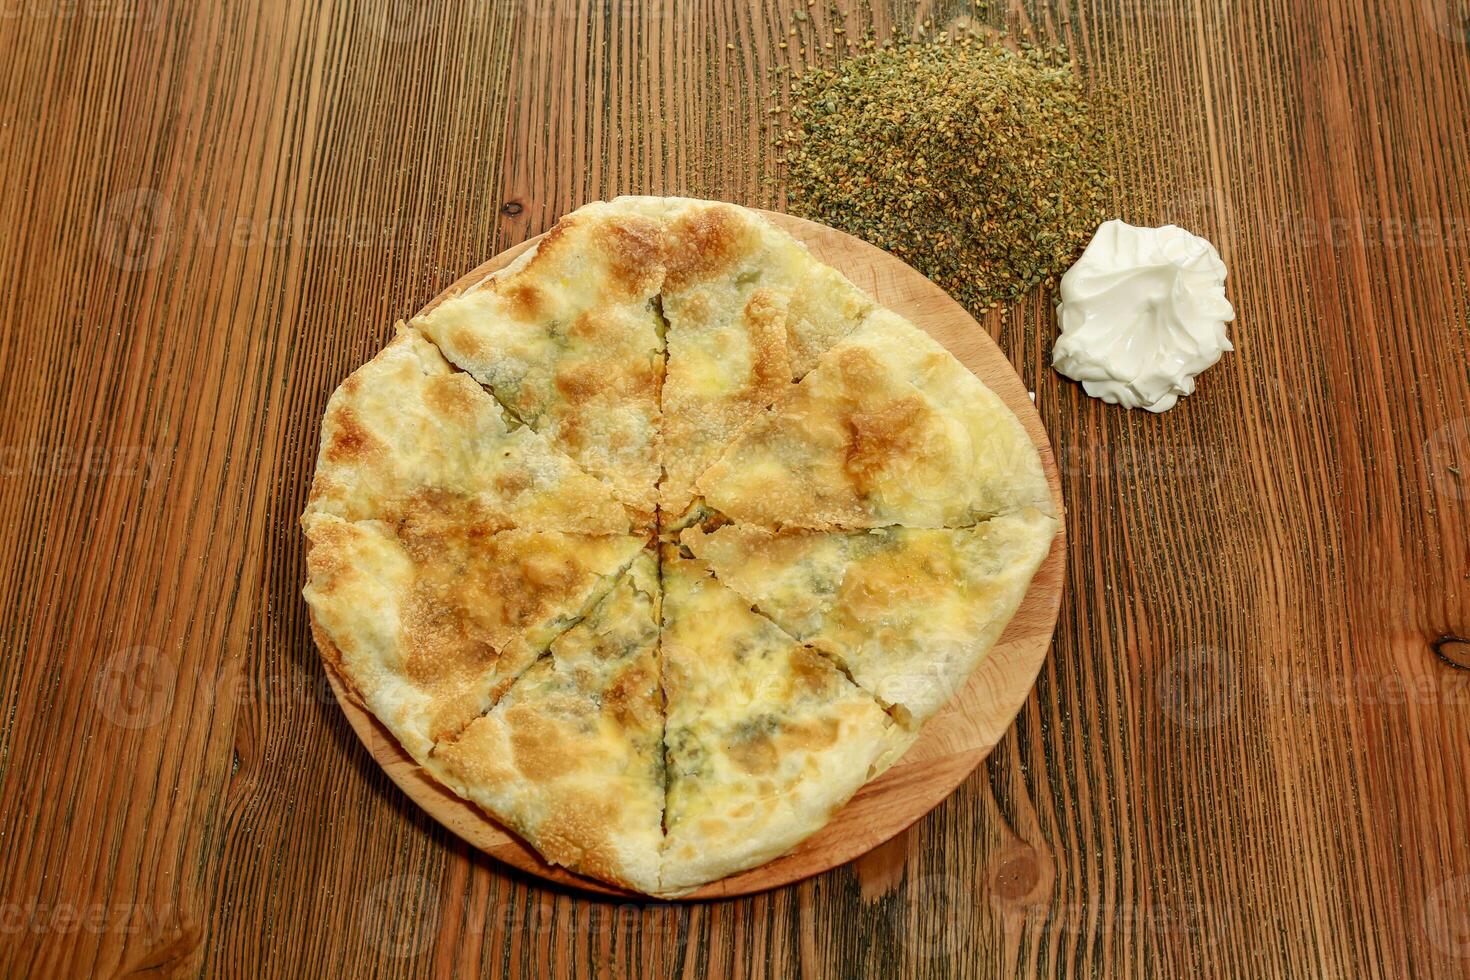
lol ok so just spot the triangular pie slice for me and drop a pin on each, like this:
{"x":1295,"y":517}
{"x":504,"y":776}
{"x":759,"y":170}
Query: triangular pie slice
{"x":407,"y":437}
{"x":571,"y":757}
{"x":430,"y":630}
{"x":748,"y":310}
{"x":764,"y":739}
{"x":908,"y":613}
{"x":888,"y":429}
{"x":569,"y":339}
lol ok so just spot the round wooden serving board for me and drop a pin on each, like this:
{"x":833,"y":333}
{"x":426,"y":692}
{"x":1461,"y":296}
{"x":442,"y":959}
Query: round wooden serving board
{"x":950,"y":746}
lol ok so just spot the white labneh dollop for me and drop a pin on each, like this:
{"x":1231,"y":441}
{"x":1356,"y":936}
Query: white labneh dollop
{"x":1142,"y":312}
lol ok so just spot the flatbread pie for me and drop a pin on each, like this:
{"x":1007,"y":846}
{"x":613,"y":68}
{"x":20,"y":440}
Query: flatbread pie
{"x":765,"y":738}
{"x":571,"y":757}
{"x":430,"y":629}
{"x":409,"y":438}
{"x":659,"y":543}
{"x":907,"y":612}
{"x":570,"y":340}
{"x":888,"y":429}
{"x":750,"y":315}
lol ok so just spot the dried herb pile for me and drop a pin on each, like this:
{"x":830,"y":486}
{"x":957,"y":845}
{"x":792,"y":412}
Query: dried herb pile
{"x":981,"y":165}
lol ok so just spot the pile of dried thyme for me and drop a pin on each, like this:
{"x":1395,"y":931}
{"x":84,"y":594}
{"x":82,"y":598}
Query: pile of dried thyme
{"x":981,"y":165}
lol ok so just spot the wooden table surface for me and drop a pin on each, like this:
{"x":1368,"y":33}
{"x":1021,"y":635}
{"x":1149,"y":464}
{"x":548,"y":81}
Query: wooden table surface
{"x":1247,"y":753}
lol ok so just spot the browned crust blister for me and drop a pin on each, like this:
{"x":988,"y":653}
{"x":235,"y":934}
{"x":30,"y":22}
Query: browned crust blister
{"x":514,"y":460}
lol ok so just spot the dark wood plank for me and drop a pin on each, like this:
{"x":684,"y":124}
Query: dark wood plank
{"x":1246,"y":753}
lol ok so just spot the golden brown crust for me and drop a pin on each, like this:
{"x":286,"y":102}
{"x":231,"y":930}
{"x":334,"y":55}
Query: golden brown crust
{"x":537,"y":752}
{"x":809,"y":671}
{"x":332,"y":660}
{"x":626,"y":700}
{"x":892,"y":430}
{"x":350,"y":440}
{"x":469,"y":343}
{"x":765,"y":319}
{"x":575,"y":837}
{"x":635,"y":248}
{"x":754,"y":754}
{"x":525,"y":299}
{"x":701,"y":243}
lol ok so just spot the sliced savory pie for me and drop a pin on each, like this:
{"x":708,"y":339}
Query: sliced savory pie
{"x":407,"y":437}
{"x":846,"y":519}
{"x":748,"y":311}
{"x":430,"y":630}
{"x":571,"y":757}
{"x":569,"y":339}
{"x":764,"y":738}
{"x":888,"y":429}
{"x":907,"y":612}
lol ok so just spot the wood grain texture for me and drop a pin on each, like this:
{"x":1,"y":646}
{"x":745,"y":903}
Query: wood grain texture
{"x":950,"y":745}
{"x":1245,"y":755}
